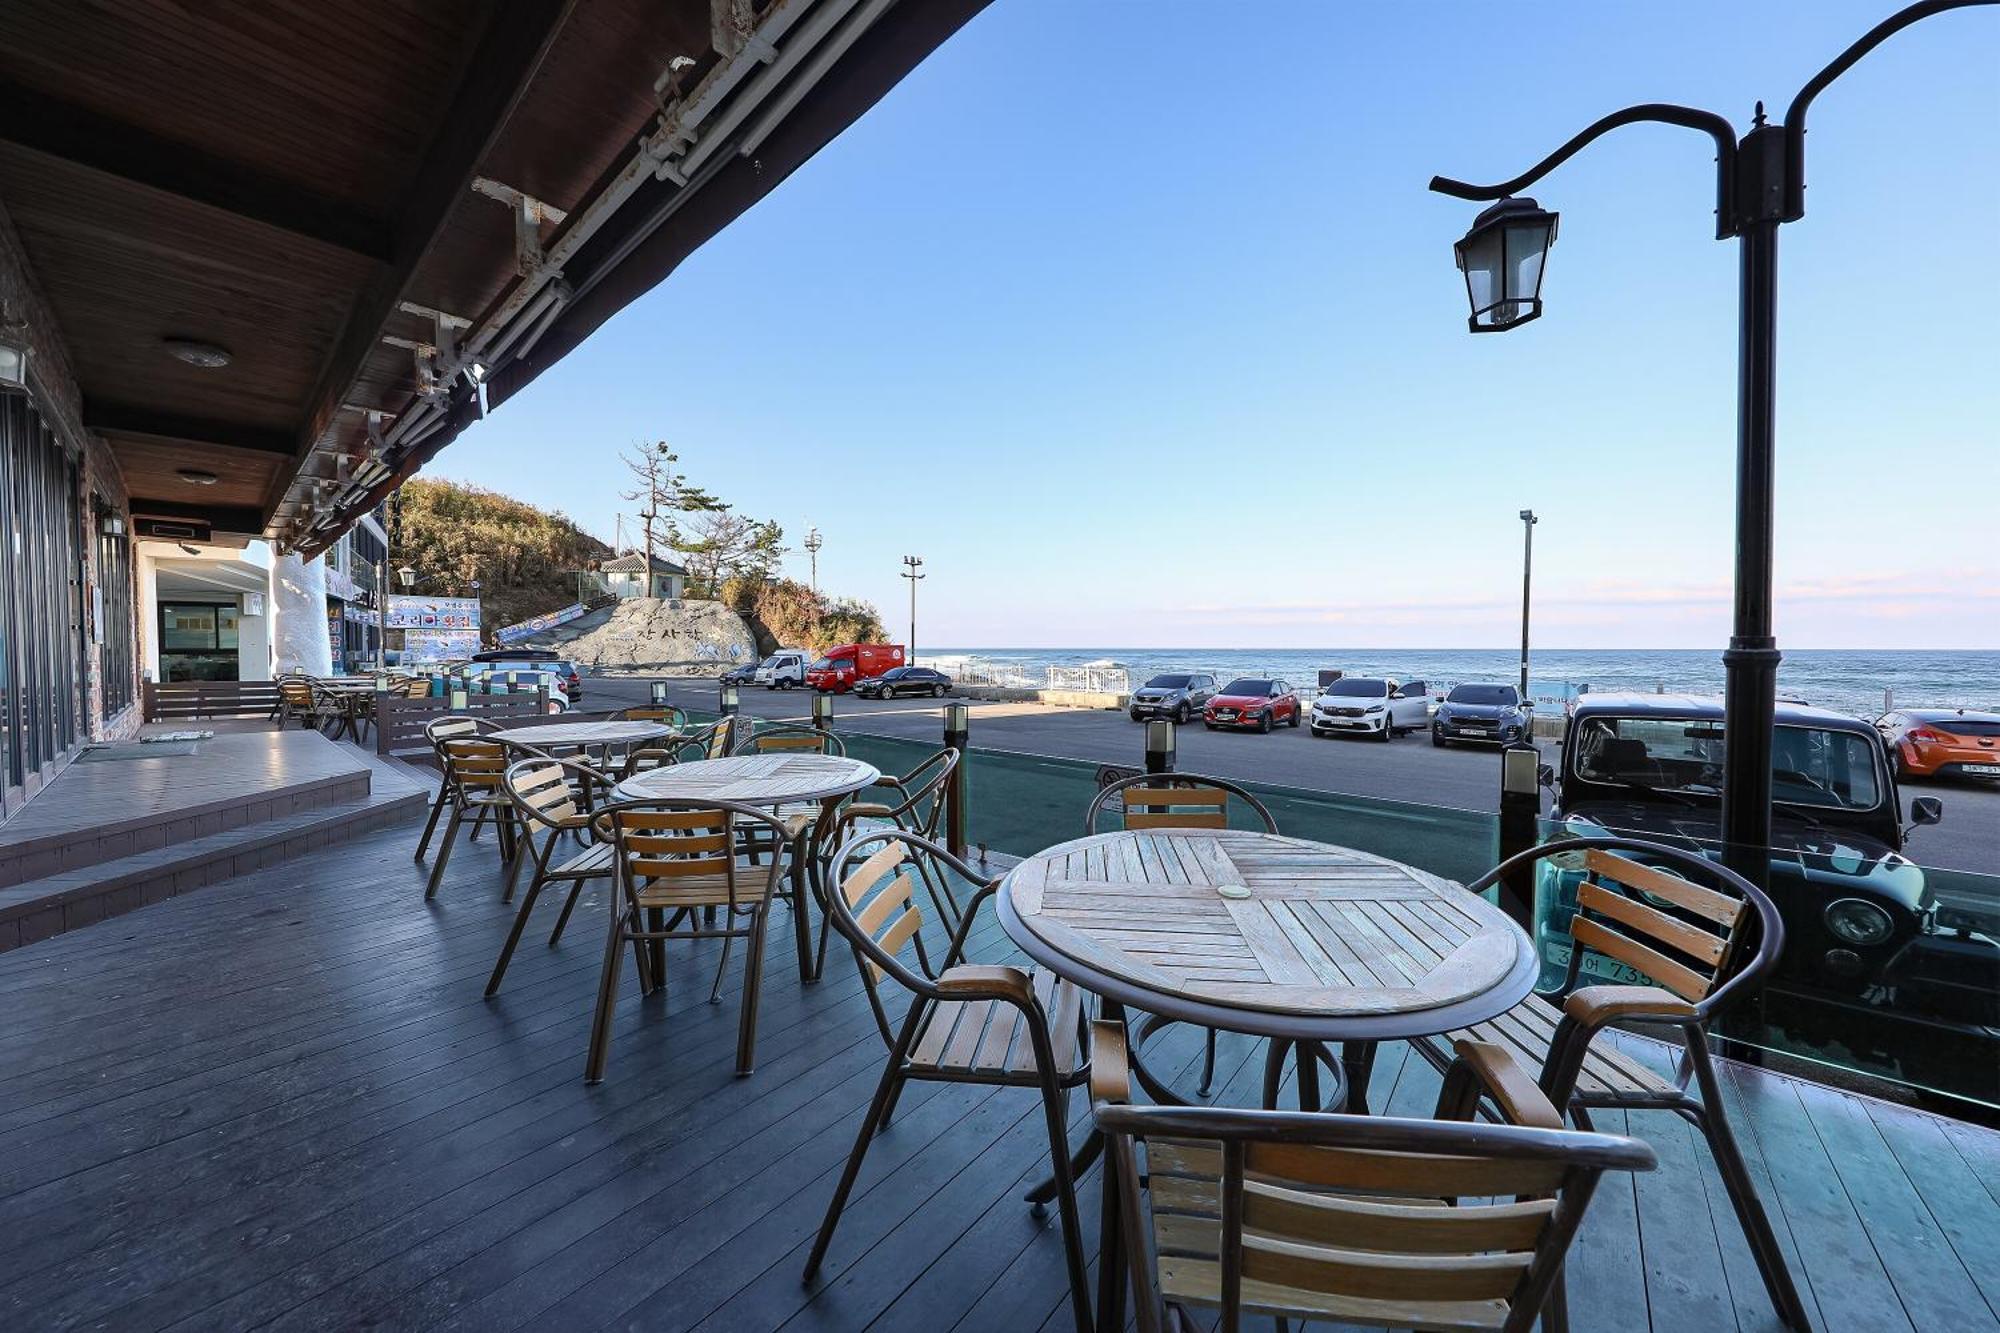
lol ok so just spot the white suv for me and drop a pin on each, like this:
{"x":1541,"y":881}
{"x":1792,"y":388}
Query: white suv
{"x":1371,"y":706}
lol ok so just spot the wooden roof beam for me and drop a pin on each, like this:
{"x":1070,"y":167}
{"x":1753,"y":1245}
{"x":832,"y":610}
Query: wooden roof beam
{"x":90,"y":139}
{"x":127,"y":419}
{"x":509,"y":51}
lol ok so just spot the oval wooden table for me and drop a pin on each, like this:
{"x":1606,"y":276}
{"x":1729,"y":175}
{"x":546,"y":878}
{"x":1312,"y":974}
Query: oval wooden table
{"x":582,"y":735}
{"x":1301,"y":942}
{"x":763,"y":779}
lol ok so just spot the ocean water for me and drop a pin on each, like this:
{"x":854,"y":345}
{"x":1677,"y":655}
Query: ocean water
{"x":1850,"y":681}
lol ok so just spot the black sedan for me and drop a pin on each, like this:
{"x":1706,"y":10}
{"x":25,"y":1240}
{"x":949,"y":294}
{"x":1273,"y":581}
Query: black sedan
{"x":905,"y":680}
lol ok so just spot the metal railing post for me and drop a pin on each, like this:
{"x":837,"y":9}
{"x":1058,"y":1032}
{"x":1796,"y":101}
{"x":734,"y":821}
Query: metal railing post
{"x":957,"y":735}
{"x":1520,"y":828}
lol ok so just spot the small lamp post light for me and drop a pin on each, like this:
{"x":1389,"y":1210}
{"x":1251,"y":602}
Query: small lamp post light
{"x":1162,"y":738}
{"x":659,"y":691}
{"x":407,"y":577}
{"x":458,"y":699}
{"x":1502,"y":258}
{"x":822,"y":711}
{"x":958,"y":736}
{"x":729,"y":700}
{"x":13,"y":365}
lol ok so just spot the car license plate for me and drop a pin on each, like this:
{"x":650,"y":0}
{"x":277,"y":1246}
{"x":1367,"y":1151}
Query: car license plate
{"x":1225,"y":714}
{"x":1993,"y":769}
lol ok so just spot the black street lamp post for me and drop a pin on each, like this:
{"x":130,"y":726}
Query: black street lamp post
{"x":1528,"y":521}
{"x":1759,"y":185}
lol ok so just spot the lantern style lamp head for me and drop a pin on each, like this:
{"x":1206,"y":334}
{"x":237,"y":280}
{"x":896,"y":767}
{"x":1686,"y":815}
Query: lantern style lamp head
{"x":729,"y":699}
{"x":957,"y":722}
{"x":1502,"y":258}
{"x":408,"y":577}
{"x":822,"y":711}
{"x":659,"y":691}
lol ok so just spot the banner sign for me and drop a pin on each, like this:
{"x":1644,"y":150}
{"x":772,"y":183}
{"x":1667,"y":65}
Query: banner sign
{"x":534,"y":625}
{"x":439,"y":645}
{"x":433,"y":612}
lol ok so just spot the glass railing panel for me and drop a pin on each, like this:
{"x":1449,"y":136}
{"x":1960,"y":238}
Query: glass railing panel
{"x":1890,"y":969}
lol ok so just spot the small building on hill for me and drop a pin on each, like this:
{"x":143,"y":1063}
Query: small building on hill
{"x":626,"y":577}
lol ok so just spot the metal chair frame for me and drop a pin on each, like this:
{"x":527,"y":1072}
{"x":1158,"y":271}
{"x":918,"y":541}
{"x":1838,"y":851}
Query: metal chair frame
{"x":878,"y":935}
{"x":473,"y":767}
{"x":641,"y":833}
{"x":531,"y":783}
{"x":1589,"y":1010}
{"x":1285,"y":1210}
{"x":437,"y":731}
{"x":910,"y":813}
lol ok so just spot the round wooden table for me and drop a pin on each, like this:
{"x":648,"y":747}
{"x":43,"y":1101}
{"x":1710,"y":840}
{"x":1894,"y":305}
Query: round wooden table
{"x":764,"y":779}
{"x":752,"y":779}
{"x":582,"y":735}
{"x":1298,"y":941}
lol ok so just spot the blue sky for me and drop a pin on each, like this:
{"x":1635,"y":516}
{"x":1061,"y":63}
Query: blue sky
{"x":1137,"y":322}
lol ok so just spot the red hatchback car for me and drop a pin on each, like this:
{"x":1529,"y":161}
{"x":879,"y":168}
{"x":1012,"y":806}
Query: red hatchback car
{"x":1942,"y":742}
{"x":1251,"y":702}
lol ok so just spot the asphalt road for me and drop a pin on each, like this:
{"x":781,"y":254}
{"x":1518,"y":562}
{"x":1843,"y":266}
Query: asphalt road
{"x":1408,"y":769}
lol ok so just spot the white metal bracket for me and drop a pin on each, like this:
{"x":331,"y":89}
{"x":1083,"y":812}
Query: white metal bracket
{"x":529,"y":215}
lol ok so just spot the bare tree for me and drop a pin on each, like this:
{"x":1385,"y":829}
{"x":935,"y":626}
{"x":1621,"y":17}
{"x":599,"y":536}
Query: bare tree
{"x":721,"y":545}
{"x":663,"y":491}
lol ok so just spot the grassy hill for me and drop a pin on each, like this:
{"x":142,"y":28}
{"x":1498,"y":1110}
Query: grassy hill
{"x":524,"y":558}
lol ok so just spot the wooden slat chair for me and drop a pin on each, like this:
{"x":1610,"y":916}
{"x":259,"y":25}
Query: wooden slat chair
{"x":1169,"y":801}
{"x":914,"y":803}
{"x":713,"y":741}
{"x":416,"y":687}
{"x":473,"y":771}
{"x":437,"y":731}
{"x":622,"y":758}
{"x":301,"y":697}
{"x":665,"y":714}
{"x":556,"y":796}
{"x":675,"y":856}
{"x":1701,"y":948}
{"x":1365,"y":1220}
{"x":964,"y":1023}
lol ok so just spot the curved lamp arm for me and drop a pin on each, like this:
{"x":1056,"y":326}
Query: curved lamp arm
{"x":1795,"y":115}
{"x":1665,"y":113}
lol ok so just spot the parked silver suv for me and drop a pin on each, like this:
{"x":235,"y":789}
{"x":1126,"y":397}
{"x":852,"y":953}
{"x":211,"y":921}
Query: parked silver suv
{"x":1175,"y":694}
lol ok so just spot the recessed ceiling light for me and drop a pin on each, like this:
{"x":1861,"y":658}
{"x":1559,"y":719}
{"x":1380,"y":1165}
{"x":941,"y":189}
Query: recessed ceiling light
{"x":194,"y":476}
{"x":209,"y":356}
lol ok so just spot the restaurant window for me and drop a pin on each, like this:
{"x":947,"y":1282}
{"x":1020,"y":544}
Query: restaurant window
{"x":198,"y":640}
{"x":41,"y":594}
{"x":114,"y":624}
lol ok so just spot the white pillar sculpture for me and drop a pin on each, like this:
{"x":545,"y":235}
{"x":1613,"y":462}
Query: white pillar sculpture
{"x":298,"y":617}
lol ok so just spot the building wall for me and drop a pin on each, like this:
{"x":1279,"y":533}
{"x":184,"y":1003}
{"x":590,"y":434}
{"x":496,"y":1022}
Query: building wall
{"x":25,"y":317}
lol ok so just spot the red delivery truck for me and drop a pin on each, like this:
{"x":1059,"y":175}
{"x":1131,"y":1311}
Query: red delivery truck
{"x":839,"y":667}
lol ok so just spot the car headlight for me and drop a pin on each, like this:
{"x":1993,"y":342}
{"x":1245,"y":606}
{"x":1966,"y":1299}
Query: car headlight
{"x":1376,"y":708}
{"x":1858,"y":921}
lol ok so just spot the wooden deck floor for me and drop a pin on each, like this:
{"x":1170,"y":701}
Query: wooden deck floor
{"x":281,"y":1100}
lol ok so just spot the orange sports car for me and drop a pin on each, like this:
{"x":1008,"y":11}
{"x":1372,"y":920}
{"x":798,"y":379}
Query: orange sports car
{"x":1941,"y":742}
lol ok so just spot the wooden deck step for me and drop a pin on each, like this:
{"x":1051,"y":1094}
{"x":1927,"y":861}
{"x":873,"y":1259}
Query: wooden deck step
{"x":61,"y":902}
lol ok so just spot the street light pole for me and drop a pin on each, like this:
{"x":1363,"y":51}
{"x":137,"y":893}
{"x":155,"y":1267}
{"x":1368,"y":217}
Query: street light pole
{"x":1760,"y":185}
{"x":812,"y":545}
{"x":1528,"y":521}
{"x":911,"y":564}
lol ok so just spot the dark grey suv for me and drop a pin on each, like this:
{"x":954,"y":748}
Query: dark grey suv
{"x":1176,"y":694}
{"x":1491,"y":713}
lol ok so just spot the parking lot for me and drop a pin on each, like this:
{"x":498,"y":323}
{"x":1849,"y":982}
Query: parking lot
{"x":1408,"y":769}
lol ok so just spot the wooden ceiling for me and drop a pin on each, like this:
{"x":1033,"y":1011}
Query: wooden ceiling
{"x":280,"y":177}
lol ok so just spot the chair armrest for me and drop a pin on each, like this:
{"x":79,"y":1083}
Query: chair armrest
{"x":865,"y":810}
{"x":887,"y":780}
{"x":1499,"y":1076}
{"x":1110,"y":1062}
{"x":970,"y":981}
{"x":1594,"y":1006}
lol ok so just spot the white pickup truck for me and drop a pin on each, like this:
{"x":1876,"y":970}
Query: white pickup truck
{"x":783,"y":669}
